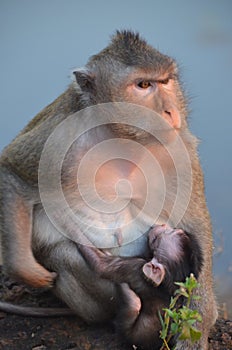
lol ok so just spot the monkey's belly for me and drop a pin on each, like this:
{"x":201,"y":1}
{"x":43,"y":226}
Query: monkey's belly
{"x":119,"y":231}
{"x":124,"y":232}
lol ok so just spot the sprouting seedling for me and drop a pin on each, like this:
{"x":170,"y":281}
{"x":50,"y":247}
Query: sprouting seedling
{"x":181,"y":321}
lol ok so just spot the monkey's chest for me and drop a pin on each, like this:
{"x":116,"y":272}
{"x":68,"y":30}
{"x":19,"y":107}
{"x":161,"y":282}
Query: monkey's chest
{"x":117,"y":205}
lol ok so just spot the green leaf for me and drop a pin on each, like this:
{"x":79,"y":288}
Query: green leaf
{"x":185,"y":332}
{"x":170,"y":312}
{"x":185,"y":313}
{"x":191,"y":322}
{"x":163,"y":333}
{"x":173,"y":302}
{"x":174,"y":328}
{"x":182,"y":291}
{"x":180,"y":284}
{"x":191,"y":283}
{"x":190,"y":314}
{"x":195,"y":334}
{"x":161,"y":319}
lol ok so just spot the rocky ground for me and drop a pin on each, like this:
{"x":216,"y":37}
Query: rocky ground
{"x":68,"y":333}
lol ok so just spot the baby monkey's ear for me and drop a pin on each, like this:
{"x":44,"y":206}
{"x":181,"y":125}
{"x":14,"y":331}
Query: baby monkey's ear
{"x":154,"y":271}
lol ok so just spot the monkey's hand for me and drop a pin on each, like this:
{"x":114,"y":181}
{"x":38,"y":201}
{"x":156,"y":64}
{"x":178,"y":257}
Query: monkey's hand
{"x":95,"y":257}
{"x":114,"y":268}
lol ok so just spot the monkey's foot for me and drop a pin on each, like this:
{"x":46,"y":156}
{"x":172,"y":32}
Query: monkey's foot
{"x":33,"y":274}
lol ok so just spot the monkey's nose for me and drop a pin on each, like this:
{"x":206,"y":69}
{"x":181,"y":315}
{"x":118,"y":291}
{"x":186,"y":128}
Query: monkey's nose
{"x":172,"y":116}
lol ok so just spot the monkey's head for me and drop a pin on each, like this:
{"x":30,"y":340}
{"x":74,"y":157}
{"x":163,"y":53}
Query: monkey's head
{"x":130,"y":70}
{"x":176,"y":255}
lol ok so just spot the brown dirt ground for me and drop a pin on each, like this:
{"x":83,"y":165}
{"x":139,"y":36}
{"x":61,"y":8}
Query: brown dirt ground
{"x":68,"y":333}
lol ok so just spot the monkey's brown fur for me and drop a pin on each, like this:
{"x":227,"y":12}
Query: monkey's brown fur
{"x":111,"y":75}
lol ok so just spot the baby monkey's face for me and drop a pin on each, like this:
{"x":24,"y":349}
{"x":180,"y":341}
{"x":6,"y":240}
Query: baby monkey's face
{"x":167,"y":246}
{"x":166,"y":243}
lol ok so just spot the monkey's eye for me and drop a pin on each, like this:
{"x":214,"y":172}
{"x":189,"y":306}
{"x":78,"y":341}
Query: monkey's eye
{"x":164,"y":81}
{"x":144,"y":84}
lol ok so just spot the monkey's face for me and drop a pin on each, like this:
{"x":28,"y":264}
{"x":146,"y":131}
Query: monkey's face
{"x":129,"y":70}
{"x":147,"y":88}
{"x":167,"y":243}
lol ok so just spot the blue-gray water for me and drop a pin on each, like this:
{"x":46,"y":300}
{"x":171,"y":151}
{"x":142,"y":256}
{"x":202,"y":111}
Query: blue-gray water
{"x":41,"y":41}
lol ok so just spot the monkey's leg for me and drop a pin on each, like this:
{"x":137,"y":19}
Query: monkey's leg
{"x":140,"y":328}
{"x":16,"y":230}
{"x":130,"y":310}
{"x":92,"y":298}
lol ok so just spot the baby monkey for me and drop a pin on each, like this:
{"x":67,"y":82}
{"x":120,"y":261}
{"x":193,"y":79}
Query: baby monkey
{"x":147,"y":284}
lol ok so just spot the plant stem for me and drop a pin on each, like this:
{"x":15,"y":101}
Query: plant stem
{"x":166,"y":344}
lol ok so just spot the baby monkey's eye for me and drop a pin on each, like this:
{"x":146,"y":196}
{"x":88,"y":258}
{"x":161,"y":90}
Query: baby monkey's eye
{"x":144,"y":84}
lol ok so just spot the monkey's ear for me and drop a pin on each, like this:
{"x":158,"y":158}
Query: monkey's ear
{"x":85,"y":79}
{"x":154,"y":271}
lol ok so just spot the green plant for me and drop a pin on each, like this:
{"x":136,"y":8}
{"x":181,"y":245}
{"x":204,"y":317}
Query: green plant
{"x":181,"y":320}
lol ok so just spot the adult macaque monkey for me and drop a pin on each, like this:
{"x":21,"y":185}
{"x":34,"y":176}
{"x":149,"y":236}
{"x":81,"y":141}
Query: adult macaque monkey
{"x":34,"y":250}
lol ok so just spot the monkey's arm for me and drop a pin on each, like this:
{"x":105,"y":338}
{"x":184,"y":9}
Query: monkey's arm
{"x":114,"y":268}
